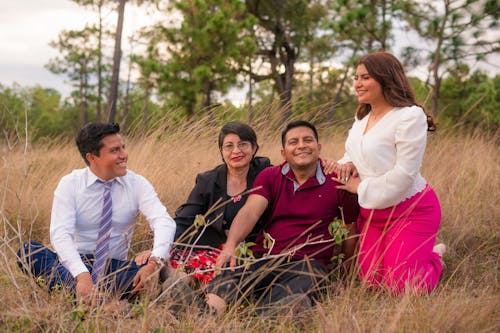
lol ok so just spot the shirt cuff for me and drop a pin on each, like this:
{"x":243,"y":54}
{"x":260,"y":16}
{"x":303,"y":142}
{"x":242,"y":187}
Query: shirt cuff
{"x":162,"y":252}
{"x":76,"y":268}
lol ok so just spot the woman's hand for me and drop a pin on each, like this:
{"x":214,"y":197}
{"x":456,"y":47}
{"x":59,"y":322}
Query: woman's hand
{"x":351,"y":185}
{"x":328,"y":165}
{"x":142,"y":257}
{"x":344,"y":172}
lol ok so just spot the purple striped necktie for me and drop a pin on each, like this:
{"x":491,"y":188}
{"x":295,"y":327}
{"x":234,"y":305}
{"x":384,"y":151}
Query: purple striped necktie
{"x":102,"y":248}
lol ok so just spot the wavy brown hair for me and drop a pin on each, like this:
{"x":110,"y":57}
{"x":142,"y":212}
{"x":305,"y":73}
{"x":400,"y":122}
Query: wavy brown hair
{"x":386,"y":69}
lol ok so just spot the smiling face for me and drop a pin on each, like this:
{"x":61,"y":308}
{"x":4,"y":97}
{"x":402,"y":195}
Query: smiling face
{"x":301,"y":149}
{"x":369,"y":91}
{"x":112,"y":159}
{"x":237,"y":153}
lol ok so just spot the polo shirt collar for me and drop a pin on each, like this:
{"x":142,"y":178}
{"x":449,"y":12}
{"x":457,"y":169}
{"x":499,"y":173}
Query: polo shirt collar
{"x":287,"y":171}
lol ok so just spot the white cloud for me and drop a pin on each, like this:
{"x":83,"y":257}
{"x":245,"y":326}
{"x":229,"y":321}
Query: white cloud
{"x":27,"y":27}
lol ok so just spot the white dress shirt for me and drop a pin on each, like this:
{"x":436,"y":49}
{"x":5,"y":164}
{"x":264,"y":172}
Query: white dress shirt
{"x":76,"y":214}
{"x":388,"y":157}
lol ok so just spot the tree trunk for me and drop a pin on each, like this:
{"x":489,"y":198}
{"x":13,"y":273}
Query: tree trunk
{"x":145,"y":109}
{"x":113,"y":90}
{"x":286,"y":93}
{"x":311,"y":77}
{"x":124,"y":122}
{"x":250,"y":94}
{"x":383,"y":37}
{"x":83,"y":95}
{"x":208,"y":95}
{"x":99,"y":66}
{"x":435,"y":93}
{"x":436,"y":62}
{"x":284,"y":81}
{"x":333,"y":108}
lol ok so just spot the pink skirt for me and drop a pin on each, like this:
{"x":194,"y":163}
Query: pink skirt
{"x":396,"y":244}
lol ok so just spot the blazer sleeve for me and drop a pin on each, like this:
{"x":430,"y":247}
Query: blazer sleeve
{"x":196,"y":204}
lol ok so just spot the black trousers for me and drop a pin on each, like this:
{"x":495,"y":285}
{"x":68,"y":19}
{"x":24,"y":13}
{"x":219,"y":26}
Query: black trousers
{"x":267,"y":281}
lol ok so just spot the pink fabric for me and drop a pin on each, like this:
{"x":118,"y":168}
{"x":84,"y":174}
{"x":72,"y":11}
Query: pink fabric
{"x":396,"y":245}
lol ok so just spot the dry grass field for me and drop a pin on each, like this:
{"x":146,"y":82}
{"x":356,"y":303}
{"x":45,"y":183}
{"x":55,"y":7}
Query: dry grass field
{"x":463,"y":168}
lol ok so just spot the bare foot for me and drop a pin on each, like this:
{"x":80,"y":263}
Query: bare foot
{"x":439,"y":249}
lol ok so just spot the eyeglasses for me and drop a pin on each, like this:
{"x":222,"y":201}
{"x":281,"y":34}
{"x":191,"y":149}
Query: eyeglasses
{"x":242,"y":145}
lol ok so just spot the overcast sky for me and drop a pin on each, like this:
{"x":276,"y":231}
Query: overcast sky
{"x":27,"y":26}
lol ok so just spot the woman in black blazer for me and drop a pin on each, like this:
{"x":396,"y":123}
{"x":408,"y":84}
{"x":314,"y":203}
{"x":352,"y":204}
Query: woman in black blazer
{"x":227,"y":182}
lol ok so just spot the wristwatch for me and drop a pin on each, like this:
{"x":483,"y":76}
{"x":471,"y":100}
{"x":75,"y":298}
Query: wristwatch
{"x":157,"y":260}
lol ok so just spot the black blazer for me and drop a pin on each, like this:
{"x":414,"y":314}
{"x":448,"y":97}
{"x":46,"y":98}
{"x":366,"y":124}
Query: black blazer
{"x":210,"y":186}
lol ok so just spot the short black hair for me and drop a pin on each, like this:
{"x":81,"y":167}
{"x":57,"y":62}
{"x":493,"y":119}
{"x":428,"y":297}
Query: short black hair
{"x":89,"y":137}
{"x":297,"y":123}
{"x":244,"y":131}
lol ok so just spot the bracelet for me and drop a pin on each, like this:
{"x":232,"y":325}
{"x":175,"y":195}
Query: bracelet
{"x":157,"y":261}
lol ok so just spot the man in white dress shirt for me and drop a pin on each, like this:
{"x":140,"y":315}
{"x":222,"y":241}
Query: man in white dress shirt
{"x":75,"y":223}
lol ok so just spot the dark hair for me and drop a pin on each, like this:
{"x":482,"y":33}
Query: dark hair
{"x":244,"y":131}
{"x":89,"y":137}
{"x":386,"y":69}
{"x":297,"y":123}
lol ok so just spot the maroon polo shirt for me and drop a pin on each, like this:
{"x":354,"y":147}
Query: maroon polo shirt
{"x":297,"y":214}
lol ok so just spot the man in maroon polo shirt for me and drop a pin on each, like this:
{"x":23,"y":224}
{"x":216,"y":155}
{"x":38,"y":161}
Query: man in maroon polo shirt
{"x":294,"y":247}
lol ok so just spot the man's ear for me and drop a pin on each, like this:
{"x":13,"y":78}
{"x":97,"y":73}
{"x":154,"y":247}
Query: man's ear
{"x":89,"y":157}
{"x":319,"y":147}
{"x":283,"y":154}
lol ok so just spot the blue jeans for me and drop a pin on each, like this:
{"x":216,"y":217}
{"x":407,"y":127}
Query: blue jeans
{"x":38,"y":260}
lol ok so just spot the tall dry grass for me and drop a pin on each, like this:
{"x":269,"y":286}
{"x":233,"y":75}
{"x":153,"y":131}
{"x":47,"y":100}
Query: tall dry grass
{"x":463,"y":168}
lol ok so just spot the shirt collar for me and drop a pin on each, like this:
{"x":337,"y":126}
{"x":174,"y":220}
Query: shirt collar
{"x":92,"y":178}
{"x":320,"y":176}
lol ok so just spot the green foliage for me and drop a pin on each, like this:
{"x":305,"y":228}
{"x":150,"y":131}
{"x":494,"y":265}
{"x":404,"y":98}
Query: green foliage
{"x":80,"y":61}
{"x":472,"y":99}
{"x":78,"y":314}
{"x":457,"y":31}
{"x":12,"y":109}
{"x":143,"y":115}
{"x":338,"y":230}
{"x":366,"y":25}
{"x":203,"y":48}
{"x":159,"y":330}
{"x":244,"y":250}
{"x":204,"y":55}
{"x":285,"y":29}
{"x":37,"y":109}
{"x":199,"y":221}
{"x":329,"y":99}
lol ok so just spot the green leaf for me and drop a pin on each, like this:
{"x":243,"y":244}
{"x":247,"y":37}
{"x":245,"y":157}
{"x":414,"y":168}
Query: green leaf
{"x":199,"y":221}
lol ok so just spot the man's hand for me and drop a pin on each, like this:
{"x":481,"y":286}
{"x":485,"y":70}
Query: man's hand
{"x":85,"y":288}
{"x":146,"y":278}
